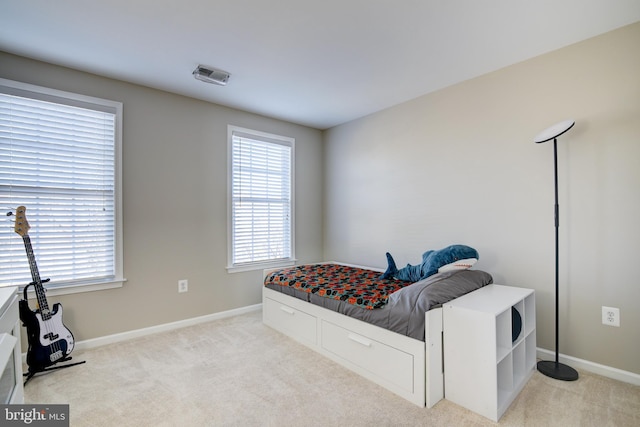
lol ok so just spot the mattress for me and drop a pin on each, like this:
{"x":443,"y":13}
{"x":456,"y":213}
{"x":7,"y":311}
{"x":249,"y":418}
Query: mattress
{"x":398,"y":307}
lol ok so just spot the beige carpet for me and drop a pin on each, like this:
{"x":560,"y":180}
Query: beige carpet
{"x":238,"y":372}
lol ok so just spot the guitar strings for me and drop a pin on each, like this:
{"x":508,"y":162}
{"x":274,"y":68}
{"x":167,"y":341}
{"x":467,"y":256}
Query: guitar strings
{"x":42,"y":304}
{"x":45,"y":312}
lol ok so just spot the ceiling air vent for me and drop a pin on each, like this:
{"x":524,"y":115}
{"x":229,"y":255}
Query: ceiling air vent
{"x":211,"y":75}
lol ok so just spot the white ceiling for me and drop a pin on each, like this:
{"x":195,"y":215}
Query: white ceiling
{"x":316,"y":63}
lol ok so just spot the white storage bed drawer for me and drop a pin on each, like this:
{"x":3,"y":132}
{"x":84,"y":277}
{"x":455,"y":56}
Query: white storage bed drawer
{"x":391,"y":360}
{"x":297,"y":324}
{"x":370,"y":355}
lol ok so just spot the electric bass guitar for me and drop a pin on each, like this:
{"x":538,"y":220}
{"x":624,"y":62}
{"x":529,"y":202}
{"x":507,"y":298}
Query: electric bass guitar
{"x":50,"y":341}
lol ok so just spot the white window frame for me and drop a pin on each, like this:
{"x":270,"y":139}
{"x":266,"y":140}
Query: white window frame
{"x":271,"y":138}
{"x":68,"y":98}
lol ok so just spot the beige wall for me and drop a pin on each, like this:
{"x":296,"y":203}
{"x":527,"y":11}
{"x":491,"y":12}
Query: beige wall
{"x":459,"y":166}
{"x":175,"y":198}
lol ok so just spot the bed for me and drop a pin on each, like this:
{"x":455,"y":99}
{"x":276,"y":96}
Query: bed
{"x":389,"y":332}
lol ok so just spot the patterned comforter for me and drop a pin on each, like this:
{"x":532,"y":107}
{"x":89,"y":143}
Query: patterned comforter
{"x":389,"y":304}
{"x":356,"y":286}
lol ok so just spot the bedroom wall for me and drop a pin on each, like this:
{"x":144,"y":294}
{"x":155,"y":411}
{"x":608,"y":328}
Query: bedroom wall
{"x":174,"y":199}
{"x":460,"y":166}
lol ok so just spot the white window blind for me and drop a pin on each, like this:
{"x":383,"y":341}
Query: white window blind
{"x":261,"y":198}
{"x":58,"y":159}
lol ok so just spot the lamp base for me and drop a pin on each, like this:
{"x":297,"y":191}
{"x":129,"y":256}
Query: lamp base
{"x":558,"y":371}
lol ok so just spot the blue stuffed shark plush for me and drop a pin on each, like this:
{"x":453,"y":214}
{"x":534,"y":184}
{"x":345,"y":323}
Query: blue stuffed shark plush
{"x":431,"y":262}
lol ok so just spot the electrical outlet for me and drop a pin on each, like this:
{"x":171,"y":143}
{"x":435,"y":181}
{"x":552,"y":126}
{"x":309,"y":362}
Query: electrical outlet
{"x":610,"y":316}
{"x":183,"y":285}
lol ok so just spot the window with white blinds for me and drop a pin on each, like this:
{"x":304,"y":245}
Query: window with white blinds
{"x":59,"y":159}
{"x":261,"y":201}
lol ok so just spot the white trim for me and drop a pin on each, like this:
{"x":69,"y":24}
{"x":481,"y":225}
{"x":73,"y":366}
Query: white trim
{"x":262,"y":265}
{"x":105,"y":105}
{"x":595,"y":368}
{"x":62,"y":97}
{"x":124,"y":336}
{"x":77,"y":288}
{"x":272,"y":138}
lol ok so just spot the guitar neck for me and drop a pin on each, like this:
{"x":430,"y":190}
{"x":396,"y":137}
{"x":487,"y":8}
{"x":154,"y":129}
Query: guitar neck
{"x":35,"y":275}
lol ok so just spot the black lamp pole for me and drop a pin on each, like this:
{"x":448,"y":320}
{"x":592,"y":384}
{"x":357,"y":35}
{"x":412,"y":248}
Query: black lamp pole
{"x":555,"y":369}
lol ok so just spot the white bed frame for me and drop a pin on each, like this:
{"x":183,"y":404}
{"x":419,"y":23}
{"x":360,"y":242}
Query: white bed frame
{"x":408,"y":367}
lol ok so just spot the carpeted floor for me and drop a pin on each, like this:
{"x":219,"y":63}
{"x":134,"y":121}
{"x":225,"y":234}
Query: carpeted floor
{"x":238,"y":372}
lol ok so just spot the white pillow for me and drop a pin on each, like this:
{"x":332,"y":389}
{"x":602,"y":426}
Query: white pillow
{"x":461,"y":264}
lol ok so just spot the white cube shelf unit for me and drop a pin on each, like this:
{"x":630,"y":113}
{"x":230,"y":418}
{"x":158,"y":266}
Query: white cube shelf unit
{"x":485,"y":365}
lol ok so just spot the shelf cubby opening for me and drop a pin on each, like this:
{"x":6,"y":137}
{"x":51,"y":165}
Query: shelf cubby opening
{"x":517,"y":323}
{"x":505,"y":378}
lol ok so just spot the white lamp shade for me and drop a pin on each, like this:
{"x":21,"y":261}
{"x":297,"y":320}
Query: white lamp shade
{"x":554,"y":131}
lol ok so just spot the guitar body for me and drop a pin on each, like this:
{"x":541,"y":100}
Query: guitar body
{"x":50,"y":341}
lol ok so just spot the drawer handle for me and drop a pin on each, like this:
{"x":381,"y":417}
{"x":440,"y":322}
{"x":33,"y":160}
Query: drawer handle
{"x":287,"y":310}
{"x":360,"y":340}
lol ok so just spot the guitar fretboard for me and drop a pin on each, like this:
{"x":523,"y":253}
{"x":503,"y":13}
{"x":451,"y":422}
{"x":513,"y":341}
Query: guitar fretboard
{"x":37,"y":282}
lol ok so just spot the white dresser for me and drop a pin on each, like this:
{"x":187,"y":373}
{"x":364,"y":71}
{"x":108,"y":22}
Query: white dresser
{"x":11,"y":390}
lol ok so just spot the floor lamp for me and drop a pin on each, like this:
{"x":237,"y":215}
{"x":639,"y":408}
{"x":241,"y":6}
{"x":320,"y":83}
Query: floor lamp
{"x":555,"y":369}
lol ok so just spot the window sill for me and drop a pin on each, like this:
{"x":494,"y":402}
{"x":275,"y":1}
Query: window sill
{"x":261,"y":266}
{"x":78,"y":288}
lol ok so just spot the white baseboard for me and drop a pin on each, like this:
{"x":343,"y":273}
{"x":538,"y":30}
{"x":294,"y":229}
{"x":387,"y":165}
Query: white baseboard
{"x":596,"y":368}
{"x":110,"y":339}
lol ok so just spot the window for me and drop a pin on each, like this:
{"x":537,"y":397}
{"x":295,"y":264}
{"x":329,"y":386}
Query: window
{"x":60,"y":158}
{"x":260,"y":200}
